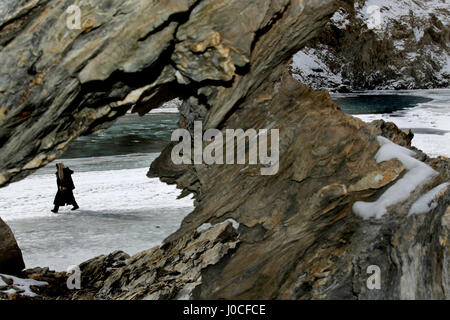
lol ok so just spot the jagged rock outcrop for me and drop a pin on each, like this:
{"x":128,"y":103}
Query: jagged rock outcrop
{"x":58,"y":83}
{"x":298,"y":237}
{"x":171,"y":271}
{"x":11,"y":260}
{"x":300,"y":223}
{"x":405,"y":48}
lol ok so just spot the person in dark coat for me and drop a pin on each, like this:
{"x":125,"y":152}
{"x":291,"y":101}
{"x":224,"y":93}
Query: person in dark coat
{"x":64,"y":196}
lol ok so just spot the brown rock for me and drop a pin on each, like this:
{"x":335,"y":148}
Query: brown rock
{"x":11,"y":260}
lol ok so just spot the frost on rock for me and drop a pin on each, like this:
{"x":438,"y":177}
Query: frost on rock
{"x":309,"y":64}
{"x":207,"y":226}
{"x":393,"y":10}
{"x":418,"y":173}
{"x":405,"y":41}
{"x":340,"y":19}
{"x":22,"y":286}
{"x":427,"y":202}
{"x":204,"y":227}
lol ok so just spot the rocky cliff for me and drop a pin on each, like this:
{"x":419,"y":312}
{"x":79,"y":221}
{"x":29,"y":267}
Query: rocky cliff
{"x":379,"y":44}
{"x":297,"y":234}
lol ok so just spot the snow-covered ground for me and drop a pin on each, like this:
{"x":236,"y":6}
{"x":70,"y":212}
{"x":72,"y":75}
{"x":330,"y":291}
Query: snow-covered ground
{"x":120,"y":209}
{"x":104,"y":191}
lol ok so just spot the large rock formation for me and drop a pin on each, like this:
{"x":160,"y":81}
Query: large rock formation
{"x":298,"y":237}
{"x":11,"y":260}
{"x":57,"y":83}
{"x":404,"y":47}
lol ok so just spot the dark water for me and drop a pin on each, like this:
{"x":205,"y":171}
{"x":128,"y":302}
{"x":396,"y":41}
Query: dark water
{"x":376,"y":104}
{"x":133,"y":134}
{"x":129,"y":135}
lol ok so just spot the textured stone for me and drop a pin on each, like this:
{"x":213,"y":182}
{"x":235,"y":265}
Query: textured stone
{"x":166,"y":272}
{"x":300,"y":223}
{"x":11,"y":260}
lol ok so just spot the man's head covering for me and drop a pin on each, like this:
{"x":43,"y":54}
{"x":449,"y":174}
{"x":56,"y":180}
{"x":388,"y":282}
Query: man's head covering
{"x":60,"y":168}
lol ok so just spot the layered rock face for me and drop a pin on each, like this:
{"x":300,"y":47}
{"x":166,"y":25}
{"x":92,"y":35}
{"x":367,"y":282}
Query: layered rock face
{"x":11,"y":260}
{"x":57,"y":82}
{"x":380,"y":44}
{"x":298,"y":237}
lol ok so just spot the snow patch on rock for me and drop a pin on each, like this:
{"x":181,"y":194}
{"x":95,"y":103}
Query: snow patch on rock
{"x":409,"y":49}
{"x":427,"y":202}
{"x":340,"y":19}
{"x":22,"y":286}
{"x":418,"y":174}
{"x":207,"y":226}
{"x":308,"y":64}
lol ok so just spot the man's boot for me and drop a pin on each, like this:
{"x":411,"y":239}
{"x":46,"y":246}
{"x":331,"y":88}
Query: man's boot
{"x":55,"y":209}
{"x":75,"y":206}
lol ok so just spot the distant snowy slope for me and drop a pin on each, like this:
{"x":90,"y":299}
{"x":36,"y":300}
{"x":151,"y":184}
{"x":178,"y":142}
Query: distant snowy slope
{"x":380,"y":44}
